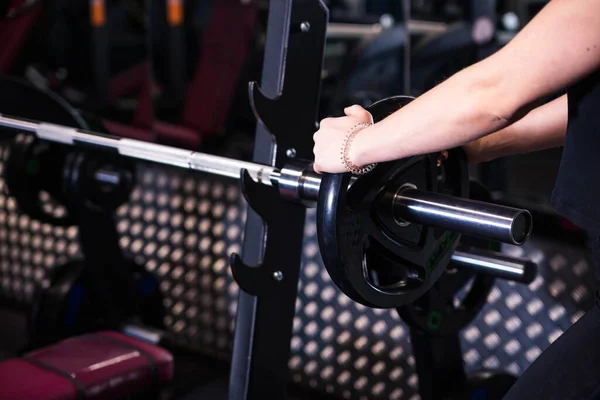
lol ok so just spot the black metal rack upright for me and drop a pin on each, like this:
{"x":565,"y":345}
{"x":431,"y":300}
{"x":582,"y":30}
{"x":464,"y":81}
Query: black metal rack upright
{"x":286,"y":107}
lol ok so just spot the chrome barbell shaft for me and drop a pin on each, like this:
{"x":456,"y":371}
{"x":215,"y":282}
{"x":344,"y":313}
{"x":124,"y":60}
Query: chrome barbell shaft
{"x":298,"y":182}
{"x":141,"y":150}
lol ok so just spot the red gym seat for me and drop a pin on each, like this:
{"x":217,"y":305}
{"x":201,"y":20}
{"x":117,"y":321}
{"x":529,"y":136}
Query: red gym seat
{"x":104,"y":365}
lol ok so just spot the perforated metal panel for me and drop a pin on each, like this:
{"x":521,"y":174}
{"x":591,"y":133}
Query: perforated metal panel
{"x":519,"y":322}
{"x":29,"y":250}
{"x":184,"y":225}
{"x":342,"y":347}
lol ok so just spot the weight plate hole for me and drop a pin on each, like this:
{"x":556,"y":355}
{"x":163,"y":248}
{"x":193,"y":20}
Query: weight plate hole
{"x":402,"y":188}
{"x":383,"y":272}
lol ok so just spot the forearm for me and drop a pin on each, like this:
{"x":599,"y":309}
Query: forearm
{"x":557,"y":48}
{"x":543,"y":128}
{"x":458,"y":111}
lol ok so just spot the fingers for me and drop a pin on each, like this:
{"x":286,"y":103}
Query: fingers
{"x":326,"y":122}
{"x":357,"y":111}
{"x":317,"y":169}
{"x":330,"y":135}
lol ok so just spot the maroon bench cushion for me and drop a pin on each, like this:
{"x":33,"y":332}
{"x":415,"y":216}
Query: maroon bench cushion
{"x":102,"y":365}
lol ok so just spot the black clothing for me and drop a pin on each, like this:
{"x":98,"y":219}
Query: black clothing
{"x":577,"y":191}
{"x":570,"y":368}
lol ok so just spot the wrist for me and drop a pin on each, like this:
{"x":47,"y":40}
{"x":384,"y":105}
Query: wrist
{"x":356,"y":152}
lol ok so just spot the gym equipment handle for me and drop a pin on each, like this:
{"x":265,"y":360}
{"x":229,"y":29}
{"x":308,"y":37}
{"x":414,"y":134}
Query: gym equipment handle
{"x":471,"y":217}
{"x":298,"y":182}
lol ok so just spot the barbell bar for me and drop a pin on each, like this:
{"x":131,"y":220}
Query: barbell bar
{"x":297,"y":181}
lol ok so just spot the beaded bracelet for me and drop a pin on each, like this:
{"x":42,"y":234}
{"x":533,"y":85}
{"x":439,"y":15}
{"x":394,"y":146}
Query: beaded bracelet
{"x":350,"y":167}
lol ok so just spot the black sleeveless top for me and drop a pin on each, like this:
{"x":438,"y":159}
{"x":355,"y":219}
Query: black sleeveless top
{"x":576,"y":194}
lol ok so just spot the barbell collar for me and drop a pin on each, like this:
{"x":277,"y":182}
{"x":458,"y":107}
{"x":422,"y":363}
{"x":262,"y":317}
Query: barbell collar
{"x":298,"y":182}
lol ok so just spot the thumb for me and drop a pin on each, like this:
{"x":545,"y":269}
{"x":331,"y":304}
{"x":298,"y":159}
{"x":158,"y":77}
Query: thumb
{"x":357,"y":111}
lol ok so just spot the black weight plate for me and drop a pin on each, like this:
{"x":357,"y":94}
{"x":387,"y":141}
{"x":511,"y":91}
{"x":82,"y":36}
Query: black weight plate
{"x":459,"y":294}
{"x":370,"y":257}
{"x":33,"y":166}
{"x":80,"y":179}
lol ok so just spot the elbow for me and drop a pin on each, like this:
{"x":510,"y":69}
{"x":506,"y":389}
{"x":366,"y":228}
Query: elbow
{"x":493,"y":100}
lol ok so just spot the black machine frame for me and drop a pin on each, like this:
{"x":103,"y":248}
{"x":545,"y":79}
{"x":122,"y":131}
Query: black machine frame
{"x":289,"y":90}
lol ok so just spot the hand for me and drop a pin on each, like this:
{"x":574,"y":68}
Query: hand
{"x":330,"y":137}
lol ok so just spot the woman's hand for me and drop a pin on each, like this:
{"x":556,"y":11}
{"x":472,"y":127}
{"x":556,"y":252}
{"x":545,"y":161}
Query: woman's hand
{"x":330,"y":137}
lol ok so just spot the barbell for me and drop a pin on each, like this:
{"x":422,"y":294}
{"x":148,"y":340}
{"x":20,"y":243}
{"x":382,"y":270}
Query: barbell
{"x":385,"y":237}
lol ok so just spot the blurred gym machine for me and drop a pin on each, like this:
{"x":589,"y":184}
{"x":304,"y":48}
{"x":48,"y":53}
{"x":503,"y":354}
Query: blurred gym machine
{"x":470,"y":37}
{"x":91,"y":53}
{"x":98,"y":288}
{"x":517,"y":13}
{"x":197,"y":83}
{"x":387,"y":51}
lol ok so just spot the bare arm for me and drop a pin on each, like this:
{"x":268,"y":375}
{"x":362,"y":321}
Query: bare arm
{"x":543,"y":128}
{"x":557,"y":48}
